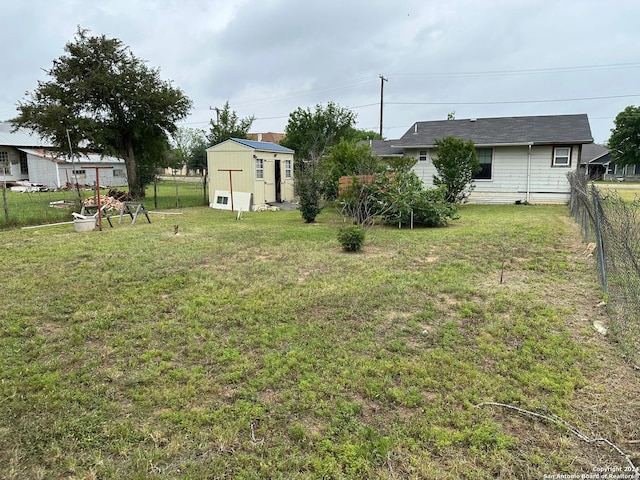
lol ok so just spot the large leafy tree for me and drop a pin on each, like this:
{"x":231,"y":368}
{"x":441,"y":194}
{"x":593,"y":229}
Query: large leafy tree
{"x":456,"y":163}
{"x":310,"y":133}
{"x":102,"y":97}
{"x":228,"y":125}
{"x":624,"y":142}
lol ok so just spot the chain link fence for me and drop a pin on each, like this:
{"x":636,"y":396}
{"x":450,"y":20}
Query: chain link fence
{"x":612,"y":226}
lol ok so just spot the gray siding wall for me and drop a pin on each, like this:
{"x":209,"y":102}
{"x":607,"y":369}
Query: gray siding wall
{"x":510,"y":170}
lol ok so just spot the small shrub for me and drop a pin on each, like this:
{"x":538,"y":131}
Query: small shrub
{"x":351,"y":237}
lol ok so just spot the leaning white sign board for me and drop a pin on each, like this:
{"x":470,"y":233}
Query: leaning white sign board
{"x":241,"y":200}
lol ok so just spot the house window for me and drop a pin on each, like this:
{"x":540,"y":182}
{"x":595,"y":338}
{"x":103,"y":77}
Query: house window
{"x":24,"y":164}
{"x":422,"y":156}
{"x":220,"y":200}
{"x":259,"y":168}
{"x":561,"y":157}
{"x":485,"y":157}
{"x":118,"y":172}
{"x":4,"y":162}
{"x":288,"y":173}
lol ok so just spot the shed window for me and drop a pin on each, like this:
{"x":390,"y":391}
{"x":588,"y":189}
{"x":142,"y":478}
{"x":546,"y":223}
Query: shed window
{"x":485,"y":157}
{"x":561,"y":156}
{"x":288,"y":173}
{"x":118,"y":172}
{"x":221,"y":200}
{"x":80,"y":173}
{"x":422,"y":156}
{"x":259,"y":168}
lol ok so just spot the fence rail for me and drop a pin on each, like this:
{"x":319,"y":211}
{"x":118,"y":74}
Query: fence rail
{"x":613,"y":224}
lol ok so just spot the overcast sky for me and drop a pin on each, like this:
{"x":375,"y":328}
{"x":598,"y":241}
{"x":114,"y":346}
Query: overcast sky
{"x":477,"y":58}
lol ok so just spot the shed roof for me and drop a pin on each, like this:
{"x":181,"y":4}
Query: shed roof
{"x":21,"y":138}
{"x":538,"y":130}
{"x":255,"y":145}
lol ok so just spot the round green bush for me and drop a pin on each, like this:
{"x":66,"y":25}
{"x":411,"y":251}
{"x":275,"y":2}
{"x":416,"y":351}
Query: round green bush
{"x":351,"y":237}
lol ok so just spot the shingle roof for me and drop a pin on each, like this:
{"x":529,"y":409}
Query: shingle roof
{"x":539,"y":130}
{"x":596,"y":154}
{"x":265,"y":146}
{"x":385,"y":148}
{"x":21,"y":137}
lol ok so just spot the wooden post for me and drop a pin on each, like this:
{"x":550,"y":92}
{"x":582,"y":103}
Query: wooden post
{"x":98,"y":192}
{"x":230,"y":182}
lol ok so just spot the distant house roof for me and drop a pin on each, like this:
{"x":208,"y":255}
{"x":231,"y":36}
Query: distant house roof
{"x":21,"y":138}
{"x":385,"y":148}
{"x":538,"y":130}
{"x":595,"y":154}
{"x":264,"y":146}
{"x":266,"y":137}
{"x":82,"y":159}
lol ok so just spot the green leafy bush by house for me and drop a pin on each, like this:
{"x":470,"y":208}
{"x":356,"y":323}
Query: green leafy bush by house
{"x":399,"y":198}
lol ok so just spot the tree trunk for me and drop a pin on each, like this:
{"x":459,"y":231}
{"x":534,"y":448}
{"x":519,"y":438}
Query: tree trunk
{"x":132,"y":172}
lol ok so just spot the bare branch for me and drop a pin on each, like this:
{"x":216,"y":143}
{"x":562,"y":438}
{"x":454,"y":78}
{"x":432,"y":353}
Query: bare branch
{"x":571,"y":428}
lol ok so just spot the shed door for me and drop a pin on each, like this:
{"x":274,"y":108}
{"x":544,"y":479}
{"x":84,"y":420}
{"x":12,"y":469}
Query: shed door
{"x":277,"y":181}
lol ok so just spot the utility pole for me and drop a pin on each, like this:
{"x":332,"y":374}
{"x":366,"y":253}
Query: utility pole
{"x":382,"y":80}
{"x":217,"y":114}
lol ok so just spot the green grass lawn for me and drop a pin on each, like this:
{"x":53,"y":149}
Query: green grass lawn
{"x":258,"y":349}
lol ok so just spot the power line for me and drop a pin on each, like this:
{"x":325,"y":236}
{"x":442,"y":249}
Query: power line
{"x":507,"y":102}
{"x":365,"y":80}
{"x":579,"y":68}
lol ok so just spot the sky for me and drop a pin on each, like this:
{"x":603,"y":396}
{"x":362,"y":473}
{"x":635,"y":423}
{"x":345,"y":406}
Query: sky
{"x":267,"y":58}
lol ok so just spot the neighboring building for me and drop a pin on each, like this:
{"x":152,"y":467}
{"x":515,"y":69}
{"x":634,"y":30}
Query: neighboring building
{"x":57,"y":171}
{"x":25,"y":156}
{"x":599,"y":164}
{"x":385,"y":148}
{"x":266,"y":137}
{"x":261,"y":172}
{"x":622,"y":173}
{"x":523,"y":159}
{"x":596,"y":159}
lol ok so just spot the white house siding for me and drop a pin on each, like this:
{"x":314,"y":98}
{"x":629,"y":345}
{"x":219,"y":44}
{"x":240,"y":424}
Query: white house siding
{"x":57,"y":174}
{"x":106,"y":175}
{"x":44,"y":171}
{"x":13,"y":172}
{"x":509,"y":175}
